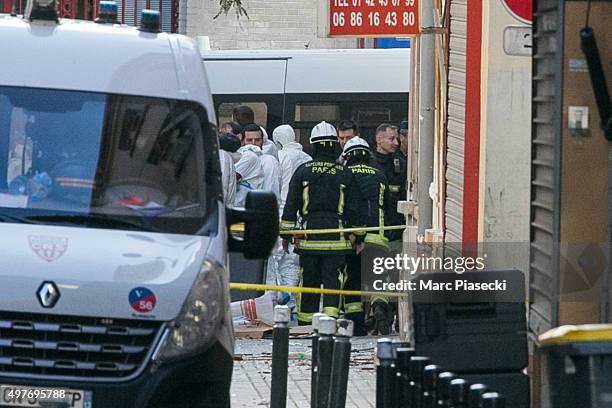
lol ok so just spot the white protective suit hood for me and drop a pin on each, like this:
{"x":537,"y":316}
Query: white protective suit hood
{"x":283,"y":135}
{"x":268,"y":146}
{"x":270,"y":169}
{"x":290,"y":157}
{"x":249,"y":168}
{"x":251,"y":148}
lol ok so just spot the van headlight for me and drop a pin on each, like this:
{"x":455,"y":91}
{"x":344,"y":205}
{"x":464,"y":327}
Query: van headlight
{"x":199,"y":318}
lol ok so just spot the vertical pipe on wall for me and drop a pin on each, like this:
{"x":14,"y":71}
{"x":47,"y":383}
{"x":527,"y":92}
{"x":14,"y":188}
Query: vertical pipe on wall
{"x":426,"y":118}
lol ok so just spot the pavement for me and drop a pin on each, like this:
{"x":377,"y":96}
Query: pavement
{"x":252,"y":373}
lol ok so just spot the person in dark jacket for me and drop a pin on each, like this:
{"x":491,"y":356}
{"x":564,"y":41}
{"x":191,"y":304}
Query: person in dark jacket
{"x":394,"y":167}
{"x":374,"y":194}
{"x":321,"y":193}
{"x":395,"y":170}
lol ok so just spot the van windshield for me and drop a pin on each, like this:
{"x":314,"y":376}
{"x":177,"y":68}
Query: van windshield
{"x":103,"y":161}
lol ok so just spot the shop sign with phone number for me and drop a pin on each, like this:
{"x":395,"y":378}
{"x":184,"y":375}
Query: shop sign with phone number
{"x":373,"y":18}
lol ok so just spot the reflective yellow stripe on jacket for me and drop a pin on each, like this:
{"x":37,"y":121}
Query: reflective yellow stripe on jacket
{"x":353,"y":307}
{"x":338,"y":245}
{"x":377,"y":239}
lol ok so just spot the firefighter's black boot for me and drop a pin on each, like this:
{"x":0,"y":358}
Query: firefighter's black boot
{"x":382,"y":318}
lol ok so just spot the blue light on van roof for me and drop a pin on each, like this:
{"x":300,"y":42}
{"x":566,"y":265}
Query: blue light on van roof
{"x":150,"y":21}
{"x":107,"y":12}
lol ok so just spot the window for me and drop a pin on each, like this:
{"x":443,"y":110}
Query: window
{"x":367,"y":110}
{"x":84,"y":157}
{"x":317,"y":112}
{"x":259,"y":108}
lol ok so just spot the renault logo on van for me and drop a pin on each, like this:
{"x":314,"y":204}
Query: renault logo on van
{"x":48,"y":294}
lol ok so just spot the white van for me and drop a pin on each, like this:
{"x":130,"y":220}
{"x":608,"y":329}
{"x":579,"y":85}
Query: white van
{"x":113,"y":236}
{"x":304,"y":87}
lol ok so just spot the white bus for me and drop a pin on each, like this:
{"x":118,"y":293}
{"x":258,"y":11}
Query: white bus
{"x":303,"y":87}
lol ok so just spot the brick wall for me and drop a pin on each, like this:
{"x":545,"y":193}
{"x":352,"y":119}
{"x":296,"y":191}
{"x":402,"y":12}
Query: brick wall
{"x":281,"y":24}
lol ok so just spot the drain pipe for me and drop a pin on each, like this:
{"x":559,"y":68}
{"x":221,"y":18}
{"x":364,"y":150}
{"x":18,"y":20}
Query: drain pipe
{"x":426,"y":120}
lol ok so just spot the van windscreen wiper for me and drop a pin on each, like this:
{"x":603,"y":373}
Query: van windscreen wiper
{"x":15,"y":219}
{"x":93,"y":220}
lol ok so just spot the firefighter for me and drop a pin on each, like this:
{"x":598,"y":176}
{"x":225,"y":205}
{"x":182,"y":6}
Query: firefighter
{"x":321,"y":194}
{"x":395,"y":169}
{"x":374,"y":194}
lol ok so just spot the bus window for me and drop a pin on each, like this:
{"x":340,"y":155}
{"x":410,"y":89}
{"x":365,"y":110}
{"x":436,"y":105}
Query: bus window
{"x":309,"y":114}
{"x":373,"y":115}
{"x":317,"y":112}
{"x":368,"y":110}
{"x":259,"y":108}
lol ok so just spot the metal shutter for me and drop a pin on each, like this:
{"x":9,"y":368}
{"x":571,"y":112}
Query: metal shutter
{"x":545,"y":164}
{"x":134,"y":7}
{"x":456,"y":121}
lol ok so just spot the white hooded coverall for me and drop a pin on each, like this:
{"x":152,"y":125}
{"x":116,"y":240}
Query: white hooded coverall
{"x":250,"y":171}
{"x":283,"y":268}
{"x":291,"y":156}
{"x":270,"y":166}
{"x":228,"y":175}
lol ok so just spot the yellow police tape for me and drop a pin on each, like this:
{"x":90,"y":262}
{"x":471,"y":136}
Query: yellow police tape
{"x":317,"y":291}
{"x":238,"y":228}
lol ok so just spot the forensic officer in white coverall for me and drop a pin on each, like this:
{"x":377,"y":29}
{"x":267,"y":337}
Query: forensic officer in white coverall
{"x":249,"y":173}
{"x":228,"y":157}
{"x":283,"y":267}
{"x":268,"y":146}
{"x":253,"y":135}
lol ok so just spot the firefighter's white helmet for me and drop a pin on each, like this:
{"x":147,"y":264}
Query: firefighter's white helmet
{"x":323,"y":132}
{"x":355,"y":143}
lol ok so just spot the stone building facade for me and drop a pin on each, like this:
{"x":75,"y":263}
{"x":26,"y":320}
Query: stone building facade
{"x":276,"y":24}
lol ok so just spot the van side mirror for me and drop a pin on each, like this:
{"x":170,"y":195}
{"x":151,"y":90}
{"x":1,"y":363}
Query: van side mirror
{"x":260,"y":218}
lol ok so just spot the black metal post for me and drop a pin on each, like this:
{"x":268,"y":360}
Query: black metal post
{"x":327,"y":328}
{"x":474,"y":394}
{"x":280,"y":356}
{"x":459,"y":392}
{"x":313,"y":366}
{"x":397,"y":344}
{"x":385,"y":375}
{"x":402,"y":383}
{"x":340,"y":364}
{"x":417,"y":364}
{"x":444,"y":380}
{"x":430,"y":386}
{"x":492,"y":400}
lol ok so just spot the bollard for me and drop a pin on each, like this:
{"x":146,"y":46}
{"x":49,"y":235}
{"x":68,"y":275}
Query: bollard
{"x":474,"y":394}
{"x":280,"y":356}
{"x":340,"y":364}
{"x":492,"y":400}
{"x":402,"y":379}
{"x":327,"y":328}
{"x":385,"y":375}
{"x":444,"y":380}
{"x":313,"y":365}
{"x":430,"y":385}
{"x":459,"y":393}
{"x":417,"y":364}
{"x":397,"y":344}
